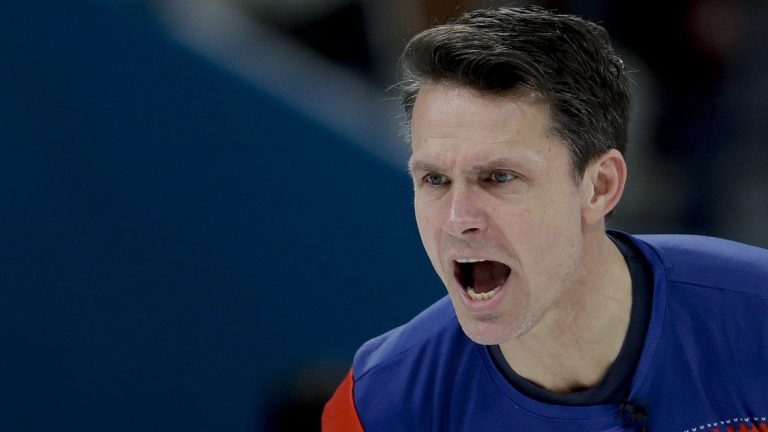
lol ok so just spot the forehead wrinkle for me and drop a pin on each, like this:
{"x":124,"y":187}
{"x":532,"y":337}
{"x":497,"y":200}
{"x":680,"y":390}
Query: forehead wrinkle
{"x":469,"y":133}
{"x":485,"y":157}
{"x":507,"y":162}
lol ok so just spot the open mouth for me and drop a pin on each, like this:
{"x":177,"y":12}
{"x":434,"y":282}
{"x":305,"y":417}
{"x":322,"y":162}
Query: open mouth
{"x":481,"y":279}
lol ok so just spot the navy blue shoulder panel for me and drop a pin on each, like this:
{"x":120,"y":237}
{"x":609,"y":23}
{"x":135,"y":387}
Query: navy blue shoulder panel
{"x":429,"y":324}
{"x":712,"y":262}
{"x":407,"y":378}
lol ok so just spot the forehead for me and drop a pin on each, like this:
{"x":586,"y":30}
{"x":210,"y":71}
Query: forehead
{"x":452,"y":95}
{"x":453,"y":122}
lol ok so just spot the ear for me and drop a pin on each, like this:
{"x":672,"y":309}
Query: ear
{"x":603,"y":185}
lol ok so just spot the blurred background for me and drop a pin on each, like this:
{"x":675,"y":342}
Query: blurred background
{"x":205,"y":202}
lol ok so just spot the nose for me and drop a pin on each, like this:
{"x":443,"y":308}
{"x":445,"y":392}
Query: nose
{"x":465,"y":214}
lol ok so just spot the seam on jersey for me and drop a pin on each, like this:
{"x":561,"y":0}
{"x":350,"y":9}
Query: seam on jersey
{"x":354,"y":402}
{"x":672,"y":277}
{"x":668,"y":269}
{"x":718,"y":288}
{"x":396,"y":356}
{"x":643,"y":385}
{"x":376,"y":366}
{"x":672,"y":274}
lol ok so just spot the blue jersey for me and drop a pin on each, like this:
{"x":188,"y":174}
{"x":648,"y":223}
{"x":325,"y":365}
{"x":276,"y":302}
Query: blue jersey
{"x":704,"y":364}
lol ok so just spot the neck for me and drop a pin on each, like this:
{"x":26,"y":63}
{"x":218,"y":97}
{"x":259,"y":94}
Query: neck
{"x":580,"y":336}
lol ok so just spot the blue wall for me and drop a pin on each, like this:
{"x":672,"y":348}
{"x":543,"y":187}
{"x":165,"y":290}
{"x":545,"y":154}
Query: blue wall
{"x":173,"y":241}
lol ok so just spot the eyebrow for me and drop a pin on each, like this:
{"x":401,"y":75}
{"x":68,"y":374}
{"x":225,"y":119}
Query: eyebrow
{"x":500,"y":163}
{"x":421,"y":166}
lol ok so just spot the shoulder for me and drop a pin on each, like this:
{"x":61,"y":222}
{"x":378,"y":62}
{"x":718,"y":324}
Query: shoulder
{"x":426,"y":330}
{"x":400,"y":376}
{"x":711,"y":262}
{"x":705,"y":331}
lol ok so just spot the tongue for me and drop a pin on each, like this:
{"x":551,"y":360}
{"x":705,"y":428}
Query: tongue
{"x":487,"y":275}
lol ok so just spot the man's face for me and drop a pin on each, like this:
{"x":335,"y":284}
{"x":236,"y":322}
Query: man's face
{"x":497,"y":207}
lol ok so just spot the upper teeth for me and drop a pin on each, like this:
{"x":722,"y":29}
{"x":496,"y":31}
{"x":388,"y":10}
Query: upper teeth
{"x":469,"y":260}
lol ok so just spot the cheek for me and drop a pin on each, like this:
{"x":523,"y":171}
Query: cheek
{"x":559,"y":211}
{"x":430,"y":233}
{"x":423,"y":219}
{"x":549,"y":234}
{"x":426,"y":222}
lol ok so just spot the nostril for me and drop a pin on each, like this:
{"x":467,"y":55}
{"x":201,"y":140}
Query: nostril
{"x":464,"y":231}
{"x":465,"y":225}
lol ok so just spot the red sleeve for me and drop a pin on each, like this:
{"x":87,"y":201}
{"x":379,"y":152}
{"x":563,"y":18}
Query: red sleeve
{"x":340,"y":414}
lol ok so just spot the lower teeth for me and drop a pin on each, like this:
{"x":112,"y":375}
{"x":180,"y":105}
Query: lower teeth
{"x":482,"y":296}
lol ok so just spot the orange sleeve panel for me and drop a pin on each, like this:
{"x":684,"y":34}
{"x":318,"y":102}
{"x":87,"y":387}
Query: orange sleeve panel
{"x":340,"y":414}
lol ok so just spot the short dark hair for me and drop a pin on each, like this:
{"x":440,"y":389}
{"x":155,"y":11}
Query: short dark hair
{"x":566,"y":59}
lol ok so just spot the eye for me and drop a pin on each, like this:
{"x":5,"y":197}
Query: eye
{"x":501,"y":176}
{"x":436,"y":179}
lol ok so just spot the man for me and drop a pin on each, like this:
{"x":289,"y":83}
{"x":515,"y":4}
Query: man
{"x":518,"y":126}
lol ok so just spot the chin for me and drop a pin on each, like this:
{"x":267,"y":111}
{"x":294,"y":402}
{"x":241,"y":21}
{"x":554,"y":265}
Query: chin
{"x":493,"y":332}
